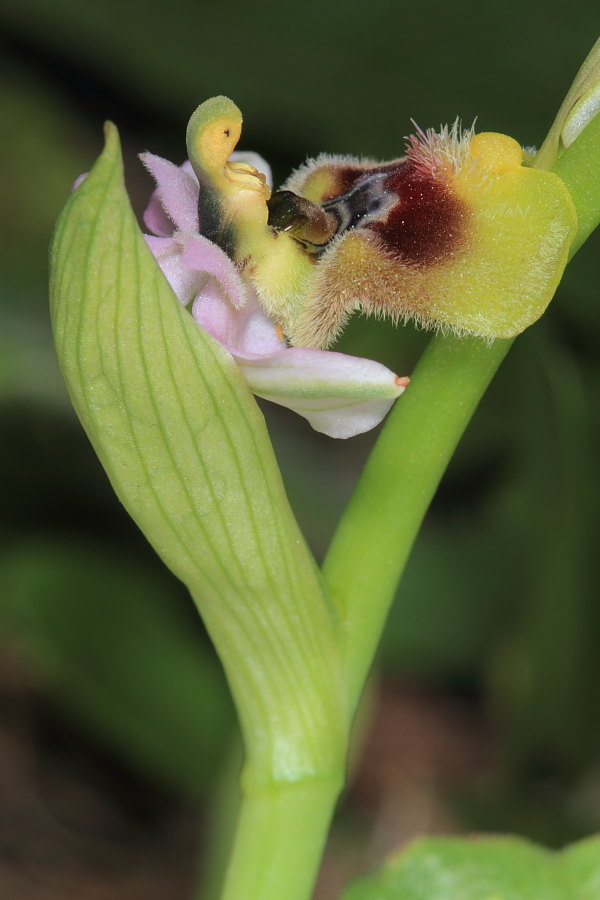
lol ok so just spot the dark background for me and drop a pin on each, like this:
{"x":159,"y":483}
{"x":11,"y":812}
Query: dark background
{"x":114,"y":718}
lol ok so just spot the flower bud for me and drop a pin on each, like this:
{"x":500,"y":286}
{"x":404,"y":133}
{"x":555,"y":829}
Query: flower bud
{"x":579,"y":107}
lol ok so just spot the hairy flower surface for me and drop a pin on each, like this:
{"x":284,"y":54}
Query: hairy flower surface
{"x":340,"y":395}
{"x":460,"y":233}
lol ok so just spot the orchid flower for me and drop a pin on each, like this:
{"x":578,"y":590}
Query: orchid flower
{"x":340,"y":395}
{"x":460,"y":234}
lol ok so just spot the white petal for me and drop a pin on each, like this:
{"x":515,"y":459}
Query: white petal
{"x":339,"y":395}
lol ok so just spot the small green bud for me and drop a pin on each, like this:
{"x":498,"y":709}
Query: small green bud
{"x":579,"y":107}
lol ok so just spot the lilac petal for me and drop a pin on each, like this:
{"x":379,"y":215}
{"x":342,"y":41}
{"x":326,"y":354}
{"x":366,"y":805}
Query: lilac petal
{"x":214,"y":313}
{"x":167,"y":252}
{"x":244,"y":332}
{"x":201,"y":255}
{"x":339,"y":395}
{"x":177,"y":190}
{"x":247,"y":330}
{"x":155,"y":218}
{"x":187,"y":167}
{"x":260,"y":334}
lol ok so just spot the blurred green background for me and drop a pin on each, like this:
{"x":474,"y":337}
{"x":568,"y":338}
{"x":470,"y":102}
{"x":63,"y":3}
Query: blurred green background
{"x":497,"y":611}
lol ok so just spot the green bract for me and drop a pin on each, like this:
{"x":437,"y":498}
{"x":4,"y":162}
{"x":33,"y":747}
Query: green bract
{"x":187,"y":452}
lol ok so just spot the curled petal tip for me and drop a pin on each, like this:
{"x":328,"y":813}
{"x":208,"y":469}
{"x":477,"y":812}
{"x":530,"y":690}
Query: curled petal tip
{"x":339,"y":395}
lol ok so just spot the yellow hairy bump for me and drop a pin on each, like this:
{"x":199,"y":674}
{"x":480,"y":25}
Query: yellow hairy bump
{"x":496,"y":151}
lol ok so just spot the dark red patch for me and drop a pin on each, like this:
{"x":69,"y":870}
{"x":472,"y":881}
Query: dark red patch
{"x":426,"y":224}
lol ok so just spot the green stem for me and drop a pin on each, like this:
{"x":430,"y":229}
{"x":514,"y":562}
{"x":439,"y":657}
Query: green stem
{"x":579,"y":168}
{"x":372,"y":543}
{"x":279,"y":839}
